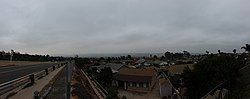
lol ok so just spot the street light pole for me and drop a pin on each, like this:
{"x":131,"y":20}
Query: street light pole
{"x":11,"y":54}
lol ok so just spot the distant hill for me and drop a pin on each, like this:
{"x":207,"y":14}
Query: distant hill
{"x":125,"y":54}
{"x":120,"y":54}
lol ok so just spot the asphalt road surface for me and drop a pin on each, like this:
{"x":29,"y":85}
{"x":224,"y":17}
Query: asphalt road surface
{"x":13,"y":72}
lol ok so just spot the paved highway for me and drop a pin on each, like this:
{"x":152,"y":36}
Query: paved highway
{"x":13,"y":72}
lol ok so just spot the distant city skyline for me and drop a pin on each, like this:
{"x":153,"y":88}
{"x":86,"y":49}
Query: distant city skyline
{"x":70,"y":27}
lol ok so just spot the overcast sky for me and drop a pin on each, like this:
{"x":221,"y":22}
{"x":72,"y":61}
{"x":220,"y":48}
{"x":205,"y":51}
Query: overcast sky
{"x":65,"y":27}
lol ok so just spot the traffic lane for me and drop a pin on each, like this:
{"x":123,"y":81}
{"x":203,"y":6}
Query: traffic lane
{"x":20,"y":72}
{"x":8,"y":68}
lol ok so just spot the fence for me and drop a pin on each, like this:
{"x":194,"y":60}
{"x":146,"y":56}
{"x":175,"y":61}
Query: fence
{"x":28,"y":79}
{"x":219,"y":88}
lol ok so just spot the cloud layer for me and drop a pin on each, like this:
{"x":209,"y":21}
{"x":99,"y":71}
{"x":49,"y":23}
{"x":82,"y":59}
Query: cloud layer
{"x":60,"y":27}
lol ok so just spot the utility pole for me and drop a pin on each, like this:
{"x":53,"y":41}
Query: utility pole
{"x":11,"y":54}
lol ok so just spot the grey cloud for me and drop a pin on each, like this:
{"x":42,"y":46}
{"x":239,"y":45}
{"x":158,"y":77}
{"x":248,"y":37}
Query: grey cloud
{"x":113,"y":26}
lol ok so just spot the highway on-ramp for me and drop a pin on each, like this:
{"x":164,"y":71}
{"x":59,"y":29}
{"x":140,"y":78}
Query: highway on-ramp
{"x":9,"y":73}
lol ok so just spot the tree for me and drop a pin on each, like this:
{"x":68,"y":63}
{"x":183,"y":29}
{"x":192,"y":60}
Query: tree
{"x":168,"y":55}
{"x":219,"y":51}
{"x":109,"y":59}
{"x":92,"y":72}
{"x":102,"y":58}
{"x":76,"y":56}
{"x":129,"y":57}
{"x":124,"y":97}
{"x":162,"y":57}
{"x":80,"y":62}
{"x":207,"y":52}
{"x":155,"y":57}
{"x":186,"y":53}
{"x":112,"y":93}
{"x":210,"y":72}
{"x":123,"y":57}
{"x":105,"y":77}
{"x":17,"y":56}
{"x":234,"y":51}
{"x":247,"y":48}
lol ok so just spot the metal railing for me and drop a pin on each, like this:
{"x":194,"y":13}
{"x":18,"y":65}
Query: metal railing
{"x":104,"y":91}
{"x":14,"y":84}
{"x":177,"y":93}
{"x":87,"y":80}
{"x":40,"y":74}
{"x":218,"y":87}
{"x":8,"y":86}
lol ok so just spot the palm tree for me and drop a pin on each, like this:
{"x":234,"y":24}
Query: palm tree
{"x":234,"y":51}
{"x":219,"y":51}
{"x":247,"y":48}
{"x":207,"y":52}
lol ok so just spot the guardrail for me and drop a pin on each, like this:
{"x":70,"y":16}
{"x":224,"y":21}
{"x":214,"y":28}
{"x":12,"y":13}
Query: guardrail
{"x":99,"y":94}
{"x":218,"y":87}
{"x":8,"y":86}
{"x":45,"y":92}
{"x":103,"y":91}
{"x":177,"y":93}
{"x":28,"y":79}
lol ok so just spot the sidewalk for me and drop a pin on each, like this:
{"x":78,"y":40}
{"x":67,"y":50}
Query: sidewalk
{"x":28,"y":93}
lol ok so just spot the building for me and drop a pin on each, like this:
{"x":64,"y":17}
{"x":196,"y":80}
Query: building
{"x":113,"y":66}
{"x":137,"y":80}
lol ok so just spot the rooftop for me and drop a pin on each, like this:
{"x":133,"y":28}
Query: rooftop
{"x":135,"y":75}
{"x":137,"y":72}
{"x":164,"y":81}
{"x":178,"y":69}
{"x":114,"y":67}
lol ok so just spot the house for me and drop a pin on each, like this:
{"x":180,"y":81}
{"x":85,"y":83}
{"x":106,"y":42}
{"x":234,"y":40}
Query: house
{"x":164,"y":64}
{"x":137,"y":80}
{"x":113,"y":66}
